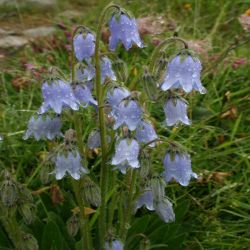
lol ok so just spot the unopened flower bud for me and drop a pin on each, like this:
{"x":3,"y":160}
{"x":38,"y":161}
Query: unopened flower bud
{"x":91,"y":192}
{"x":29,"y":242}
{"x":144,"y":244}
{"x":150,"y":85}
{"x":8,"y":193}
{"x":158,"y":188}
{"x":70,"y":137}
{"x":121,"y":70}
{"x":27,"y":212}
{"x":73,"y":225}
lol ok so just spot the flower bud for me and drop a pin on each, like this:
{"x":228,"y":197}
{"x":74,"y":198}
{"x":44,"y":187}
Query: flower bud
{"x":158,"y":188}
{"x":28,"y":242}
{"x":121,"y":70}
{"x":27,"y":212}
{"x":150,"y":86}
{"x":91,"y":192}
{"x":73,"y":225}
{"x":8,"y":193}
{"x":144,"y":244}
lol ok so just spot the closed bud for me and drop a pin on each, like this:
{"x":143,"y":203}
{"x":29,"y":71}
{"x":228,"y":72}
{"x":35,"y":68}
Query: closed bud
{"x":25,"y":195}
{"x":8,"y":193}
{"x":91,"y":192}
{"x":27,"y":212}
{"x":73,"y":225}
{"x":45,"y":175}
{"x":150,"y":85}
{"x":121,"y":70}
{"x":28,"y":242}
{"x":145,"y":168}
{"x":144,"y":244}
{"x":158,"y":188}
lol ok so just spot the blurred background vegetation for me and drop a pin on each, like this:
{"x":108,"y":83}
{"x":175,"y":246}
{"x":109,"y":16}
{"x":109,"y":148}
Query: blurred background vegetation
{"x":213,"y":212}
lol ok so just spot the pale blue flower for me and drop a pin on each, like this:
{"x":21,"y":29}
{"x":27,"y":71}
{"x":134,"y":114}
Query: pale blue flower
{"x":178,"y":168}
{"x":145,"y":199}
{"x":116,"y":95}
{"x":126,"y":152}
{"x":70,"y":163}
{"x":145,"y":133}
{"x":94,"y":139}
{"x":84,"y":96}
{"x":127,"y":113}
{"x":84,"y":46}
{"x":58,"y":95}
{"x":183,"y":72}
{"x":124,"y":29}
{"x":164,"y":210}
{"x":114,"y":245}
{"x":176,"y":112}
{"x":43,"y":127}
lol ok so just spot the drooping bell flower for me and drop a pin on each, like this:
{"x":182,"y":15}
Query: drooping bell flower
{"x":124,"y":29}
{"x":84,"y":96}
{"x":145,"y":133}
{"x":69,"y":163}
{"x":127,"y":113}
{"x":114,"y":245}
{"x":176,"y":112}
{"x":58,"y":95}
{"x":41,"y":127}
{"x":178,"y":168}
{"x":183,"y":72}
{"x":94,"y":139}
{"x":164,"y":210}
{"x":88,"y":73}
{"x":145,"y":199}
{"x":126,"y":152}
{"x":116,"y":95}
{"x":84,"y":46}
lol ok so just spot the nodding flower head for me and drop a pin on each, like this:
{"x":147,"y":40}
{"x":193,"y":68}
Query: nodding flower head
{"x":178,"y":168}
{"x":124,"y":29}
{"x":183,"y":72}
{"x":176,"y":112}
{"x":84,"y":46}
{"x":84,"y":96}
{"x":114,"y":245}
{"x":126,"y":153}
{"x":88,"y":73}
{"x":146,"y":199}
{"x":43,"y":127}
{"x":58,"y":95}
{"x":70,"y":163}
{"x":127,"y":113}
{"x":145,"y":133}
{"x":164,"y":210}
{"x":116,"y":95}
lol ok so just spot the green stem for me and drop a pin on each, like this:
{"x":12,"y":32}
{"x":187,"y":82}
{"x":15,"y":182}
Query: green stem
{"x":130,"y":204}
{"x":101,"y":114}
{"x":157,"y":50}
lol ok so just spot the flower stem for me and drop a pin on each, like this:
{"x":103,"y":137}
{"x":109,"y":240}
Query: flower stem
{"x":101,"y":114}
{"x":157,"y":50}
{"x":130,"y":204}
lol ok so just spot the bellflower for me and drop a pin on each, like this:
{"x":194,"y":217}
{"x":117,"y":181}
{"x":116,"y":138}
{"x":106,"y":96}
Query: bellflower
{"x":178,"y":168}
{"x":94,"y":139}
{"x":116,"y":95}
{"x":127,"y":113}
{"x":84,"y":46}
{"x":114,"y":245}
{"x":124,"y":29}
{"x":183,"y":72}
{"x":146,"y":199}
{"x":88,"y":73}
{"x":145,"y":133}
{"x":43,"y":128}
{"x":126,"y":152}
{"x":176,"y":112}
{"x":70,"y":163}
{"x":164,"y":210}
{"x":58,"y":95}
{"x":84,"y":96}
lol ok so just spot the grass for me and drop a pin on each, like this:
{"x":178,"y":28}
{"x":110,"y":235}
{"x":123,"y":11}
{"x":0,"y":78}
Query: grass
{"x":212,"y":213}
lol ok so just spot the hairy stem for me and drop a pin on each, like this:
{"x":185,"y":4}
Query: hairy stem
{"x":157,"y":50}
{"x":101,"y":114}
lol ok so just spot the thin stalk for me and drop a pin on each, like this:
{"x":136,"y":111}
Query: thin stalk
{"x":101,"y":114}
{"x":157,"y":50}
{"x":130,"y":203}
